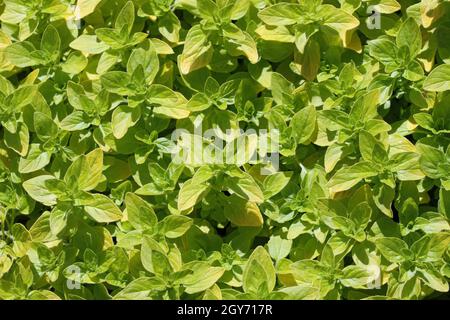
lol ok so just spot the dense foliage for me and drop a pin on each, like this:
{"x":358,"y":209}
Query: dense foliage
{"x":93,"y":204}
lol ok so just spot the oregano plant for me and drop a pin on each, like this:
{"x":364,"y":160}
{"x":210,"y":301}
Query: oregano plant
{"x":224,"y":149}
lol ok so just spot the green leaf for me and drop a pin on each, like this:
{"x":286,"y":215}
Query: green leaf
{"x":282,"y":89}
{"x":116,"y":82}
{"x":85,"y":7}
{"x":175,"y":226}
{"x":101,"y":208}
{"x":148,"y":59}
{"x":365,"y":107}
{"x":281,"y":14}
{"x":303,"y":124}
{"x":444,"y":202}
{"x":88,"y":44}
{"x":43,"y":295}
{"x":124,"y":117}
{"x":279,"y":248}
{"x":431,"y":160}
{"x":408,"y":212}
{"x":125,"y":18}
{"x":37,"y":188}
{"x":383,"y":196}
{"x":45,"y":127}
{"x":51,"y":42}
{"x":242,"y":213}
{"x":360,"y":215}
{"x":393,"y":249}
{"x":333,"y":155}
{"x":161,"y":47}
{"x":424,"y":120}
{"x":439,"y":79}
{"x":274,"y":183}
{"x":190,"y":194}
{"x":207,"y":9}
{"x":86,"y":171}
{"x":310,"y":60}
{"x":20,"y":54}
{"x":409,"y":36}
{"x":371,"y":149}
{"x":58,"y":219}
{"x":140,"y":288}
{"x":140,"y":213}
{"x":169,"y":26}
{"x":75,"y":121}
{"x":75,"y":63}
{"x":164,"y":96}
{"x":196,"y":51}
{"x":36,"y":159}
{"x":347,"y":177}
{"x":111,"y":38}
{"x":259,"y":273}
{"x":337,"y":19}
{"x":18,"y":140}
{"x":384,"y":50}
{"x":23,"y":96}
{"x":153,"y":257}
{"x":198,"y":102}
{"x":245,"y":186}
{"x":355,"y":277}
{"x":439,"y":243}
{"x":202,"y":278}
{"x":434,"y":280}
{"x":240,"y":42}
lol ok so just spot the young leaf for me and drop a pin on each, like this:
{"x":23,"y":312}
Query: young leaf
{"x":281,"y":14}
{"x":303,"y":124}
{"x":125,"y":19}
{"x":347,"y":177}
{"x":101,"y":208}
{"x":393,"y":249}
{"x":175,"y":226}
{"x":243,"y":213}
{"x":259,"y":272}
{"x":196,"y":51}
{"x":37,"y":188}
{"x":140,"y":213}
{"x":410,"y":36}
{"x":51,"y":42}
{"x":438,"y":79}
